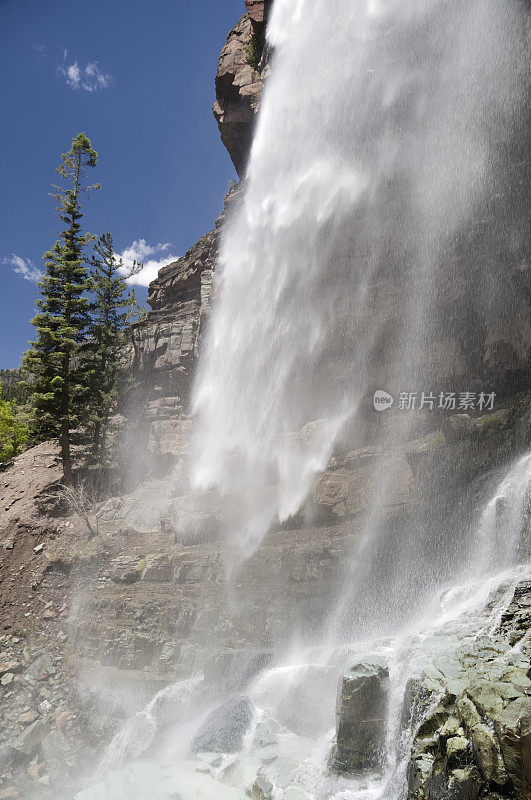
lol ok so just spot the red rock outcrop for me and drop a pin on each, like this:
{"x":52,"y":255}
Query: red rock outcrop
{"x":239,"y":82}
{"x":258,"y":12}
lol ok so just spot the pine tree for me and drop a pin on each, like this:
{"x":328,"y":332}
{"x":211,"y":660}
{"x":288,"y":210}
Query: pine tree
{"x":62,"y":318}
{"x":113,"y":312}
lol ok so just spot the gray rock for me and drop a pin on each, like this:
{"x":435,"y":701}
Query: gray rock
{"x":464,"y":784}
{"x":196,"y":528}
{"x":458,"y":426}
{"x":361,"y":715}
{"x":262,"y":789}
{"x":513,"y":731}
{"x":31,"y":737}
{"x":124,"y":571}
{"x":224,"y":728}
{"x":158,"y":569}
{"x":55,"y":750}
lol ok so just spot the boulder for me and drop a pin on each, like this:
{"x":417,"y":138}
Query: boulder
{"x":31,"y":737}
{"x":513,"y":731}
{"x":124,"y":570}
{"x":361,"y":717}
{"x":262,"y":789}
{"x":224,"y":728}
{"x":464,"y":784}
{"x":157,"y":568}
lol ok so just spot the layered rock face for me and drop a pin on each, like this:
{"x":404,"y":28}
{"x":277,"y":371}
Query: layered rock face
{"x":164,"y":349}
{"x":242,"y":66}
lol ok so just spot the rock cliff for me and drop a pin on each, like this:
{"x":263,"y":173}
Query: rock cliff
{"x":164,"y":349}
{"x":242,"y":65}
{"x":480,"y":323}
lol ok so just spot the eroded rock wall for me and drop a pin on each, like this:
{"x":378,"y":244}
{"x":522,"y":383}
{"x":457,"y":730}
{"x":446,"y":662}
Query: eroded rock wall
{"x":239,"y":81}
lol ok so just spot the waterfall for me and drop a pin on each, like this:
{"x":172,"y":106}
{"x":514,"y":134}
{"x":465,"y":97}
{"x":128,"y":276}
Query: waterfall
{"x":376,"y":141}
{"x":378,"y":145}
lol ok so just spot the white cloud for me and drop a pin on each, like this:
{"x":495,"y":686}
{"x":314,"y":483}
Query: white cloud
{"x":141,"y":252}
{"x":89,"y":77}
{"x":23,"y":267}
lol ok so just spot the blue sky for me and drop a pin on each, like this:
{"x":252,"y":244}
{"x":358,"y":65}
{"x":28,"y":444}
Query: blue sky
{"x":138,"y":78}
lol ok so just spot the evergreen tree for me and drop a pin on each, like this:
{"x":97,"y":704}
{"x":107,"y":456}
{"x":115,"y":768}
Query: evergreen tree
{"x":12,"y":383}
{"x":114,"y":310}
{"x":62,"y":318}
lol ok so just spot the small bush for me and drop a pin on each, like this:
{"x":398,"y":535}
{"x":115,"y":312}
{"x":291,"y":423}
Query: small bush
{"x":254,"y":52}
{"x":14,"y":432}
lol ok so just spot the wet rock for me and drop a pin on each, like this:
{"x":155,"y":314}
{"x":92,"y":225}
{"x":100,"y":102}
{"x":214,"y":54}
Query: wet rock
{"x":418,"y":774}
{"x":299,"y":698}
{"x":457,"y":748}
{"x":56,"y":750}
{"x":513,"y":730}
{"x":487,"y":755}
{"x":262,"y":789}
{"x":473,"y":738}
{"x":197,"y":528}
{"x":458,"y":426}
{"x":361,"y":715}
{"x":224,"y":728}
{"x":266,"y":734}
{"x":294,"y":793}
{"x":464,"y":784}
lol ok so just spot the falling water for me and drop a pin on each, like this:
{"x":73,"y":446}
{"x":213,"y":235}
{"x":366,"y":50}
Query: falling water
{"x":293,"y":700}
{"x":375,"y":144}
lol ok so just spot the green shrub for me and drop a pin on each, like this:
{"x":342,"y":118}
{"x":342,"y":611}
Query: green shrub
{"x":14,"y":432}
{"x":253,"y":52}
